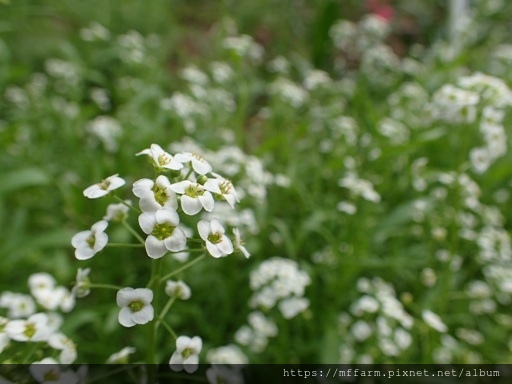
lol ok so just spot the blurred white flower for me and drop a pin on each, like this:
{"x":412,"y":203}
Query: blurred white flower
{"x":82,"y":283}
{"x":121,"y":357}
{"x":226,"y":374}
{"x":239,"y":244}
{"x":433,"y":320}
{"x":228,"y":354}
{"x":186,"y":355}
{"x":63,"y":343}
{"x":178,"y":289}
{"x":48,"y":370}
{"x":118,"y":212}
{"x":35,"y":328}
{"x":18,"y":304}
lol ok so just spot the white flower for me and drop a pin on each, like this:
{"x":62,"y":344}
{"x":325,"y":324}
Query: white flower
{"x":88,"y":243}
{"x":194,"y":197}
{"x":155,"y":195}
{"x":261,"y":324}
{"x":117,"y":212}
{"x":178,"y":289}
{"x":199,"y":165}
{"x":292,"y":306}
{"x":228,"y":354}
{"x":58,"y":297}
{"x":65,"y":345}
{"x":226,"y":374}
{"x":19,"y":305}
{"x":223,"y":189}
{"x":101,"y":189}
{"x":48,"y":371}
{"x":4,"y":337}
{"x":135,"y":306}
{"x":40,"y":282}
{"x":121,"y":357}
{"x":239,"y":243}
{"x":35,"y":328}
{"x":160,"y":158}
{"x":186,"y":355}
{"x":163,"y":231}
{"x":82,"y":284}
{"x":433,"y":320}
{"x":217,"y":243}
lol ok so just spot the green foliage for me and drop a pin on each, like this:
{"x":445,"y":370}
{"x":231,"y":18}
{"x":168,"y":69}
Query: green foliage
{"x":350,"y":161}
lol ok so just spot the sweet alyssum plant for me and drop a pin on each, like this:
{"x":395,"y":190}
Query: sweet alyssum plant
{"x":184,"y":186}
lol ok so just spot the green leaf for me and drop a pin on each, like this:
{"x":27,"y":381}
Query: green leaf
{"x":26,"y":177}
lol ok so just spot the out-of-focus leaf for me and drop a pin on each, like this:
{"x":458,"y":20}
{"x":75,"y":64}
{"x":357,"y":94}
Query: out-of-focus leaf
{"x":26,"y":177}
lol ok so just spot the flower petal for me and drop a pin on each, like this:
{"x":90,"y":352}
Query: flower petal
{"x":155,"y":248}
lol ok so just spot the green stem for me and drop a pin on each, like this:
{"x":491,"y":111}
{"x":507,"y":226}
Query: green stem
{"x":164,"y":311}
{"x":128,"y":245}
{"x":106,"y":286}
{"x":169,"y":329}
{"x":133,"y":232}
{"x":154,"y":285}
{"x":184,"y":267}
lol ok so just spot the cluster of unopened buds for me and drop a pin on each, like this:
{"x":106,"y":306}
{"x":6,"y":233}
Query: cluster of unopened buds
{"x":185,"y":186}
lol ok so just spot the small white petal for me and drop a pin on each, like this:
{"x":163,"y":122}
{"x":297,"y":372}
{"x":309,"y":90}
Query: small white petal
{"x":204,"y":230}
{"x":190,"y":205}
{"x":155,"y":248}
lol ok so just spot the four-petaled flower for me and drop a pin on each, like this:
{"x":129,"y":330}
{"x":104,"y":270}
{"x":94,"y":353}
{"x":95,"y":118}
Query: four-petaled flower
{"x":194,"y":196}
{"x":186,"y":355}
{"x":101,"y":189}
{"x":163,"y":231}
{"x":217,"y":243}
{"x":155,"y":195}
{"x":89,"y":243}
{"x":35,"y":328}
{"x":226,"y":191}
{"x":161,"y":159}
{"x":135,"y":306}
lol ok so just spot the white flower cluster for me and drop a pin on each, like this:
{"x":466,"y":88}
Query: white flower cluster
{"x":255,"y":335}
{"x":279,"y":281}
{"x":252,"y":181}
{"x":377,"y":317}
{"x":244,"y":46}
{"x":359,"y":187}
{"x":107,"y":130}
{"x":363,"y":44}
{"x":194,"y":189}
{"x":276,"y":282}
{"x":25,"y":324}
{"x":477,"y":98}
{"x":186,"y":186}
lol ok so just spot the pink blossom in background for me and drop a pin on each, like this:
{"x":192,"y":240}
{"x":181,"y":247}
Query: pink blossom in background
{"x":381,"y":8}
